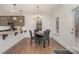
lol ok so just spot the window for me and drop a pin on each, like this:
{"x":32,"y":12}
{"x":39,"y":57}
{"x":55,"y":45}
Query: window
{"x":57,"y":24}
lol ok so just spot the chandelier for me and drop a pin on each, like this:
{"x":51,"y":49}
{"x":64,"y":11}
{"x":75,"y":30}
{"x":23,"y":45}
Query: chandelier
{"x":13,"y":11}
{"x":15,"y":14}
{"x":37,"y":17}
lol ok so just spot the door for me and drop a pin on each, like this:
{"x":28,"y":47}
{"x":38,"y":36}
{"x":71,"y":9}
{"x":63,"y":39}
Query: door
{"x":76,"y":14}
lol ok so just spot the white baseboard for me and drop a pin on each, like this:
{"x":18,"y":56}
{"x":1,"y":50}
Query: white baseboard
{"x":76,"y":50}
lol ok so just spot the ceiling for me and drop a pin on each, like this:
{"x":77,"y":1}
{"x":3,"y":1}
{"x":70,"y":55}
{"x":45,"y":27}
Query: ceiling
{"x":27,"y":8}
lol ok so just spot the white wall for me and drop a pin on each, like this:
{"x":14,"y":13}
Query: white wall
{"x":66,"y":23}
{"x":30,"y":24}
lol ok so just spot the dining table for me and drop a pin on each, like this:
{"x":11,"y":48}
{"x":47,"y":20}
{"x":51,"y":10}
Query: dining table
{"x":39,"y":35}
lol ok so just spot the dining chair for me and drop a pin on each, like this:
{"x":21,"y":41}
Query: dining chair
{"x":31,"y":36}
{"x":49,"y":34}
{"x":35,"y":30}
{"x":45,"y":38}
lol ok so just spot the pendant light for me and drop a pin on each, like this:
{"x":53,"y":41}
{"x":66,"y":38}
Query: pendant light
{"x":14,"y":12}
{"x":37,"y":16}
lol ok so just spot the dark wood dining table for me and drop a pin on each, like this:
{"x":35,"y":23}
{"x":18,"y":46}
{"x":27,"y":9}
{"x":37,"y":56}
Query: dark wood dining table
{"x":39,"y":35}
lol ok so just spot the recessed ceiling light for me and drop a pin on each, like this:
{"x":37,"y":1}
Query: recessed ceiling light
{"x":14,"y":18}
{"x":21,"y":21}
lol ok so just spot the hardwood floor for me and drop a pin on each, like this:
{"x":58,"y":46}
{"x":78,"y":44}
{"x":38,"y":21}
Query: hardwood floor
{"x":24,"y":47}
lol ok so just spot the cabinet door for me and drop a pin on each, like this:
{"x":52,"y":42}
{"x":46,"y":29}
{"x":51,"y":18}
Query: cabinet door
{"x":4,"y":21}
{"x":18,"y":20}
{"x":21,"y":21}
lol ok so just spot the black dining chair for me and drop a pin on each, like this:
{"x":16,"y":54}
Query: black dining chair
{"x":45,"y":38}
{"x":49,"y":35}
{"x":31,"y":36}
{"x":36,"y":30}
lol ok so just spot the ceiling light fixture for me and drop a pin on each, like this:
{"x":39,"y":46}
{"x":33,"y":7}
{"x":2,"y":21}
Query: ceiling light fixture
{"x":20,"y":13}
{"x":37,"y":16}
{"x":13,"y":10}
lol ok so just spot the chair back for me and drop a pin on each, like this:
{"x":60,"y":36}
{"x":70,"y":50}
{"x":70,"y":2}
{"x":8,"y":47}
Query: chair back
{"x":46,"y":35}
{"x":31,"y":34}
{"x":48,"y":30}
{"x":35,"y":30}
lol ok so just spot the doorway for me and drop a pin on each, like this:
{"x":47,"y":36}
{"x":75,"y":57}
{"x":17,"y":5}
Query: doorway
{"x":76,"y":14}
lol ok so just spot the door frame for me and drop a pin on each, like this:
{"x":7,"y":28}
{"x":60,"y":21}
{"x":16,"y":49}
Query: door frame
{"x":73,"y":25}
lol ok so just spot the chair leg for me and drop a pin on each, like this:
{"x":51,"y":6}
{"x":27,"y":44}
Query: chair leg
{"x":38,"y":42}
{"x":48,"y":42}
{"x":41,"y":41}
{"x":44,"y":44}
